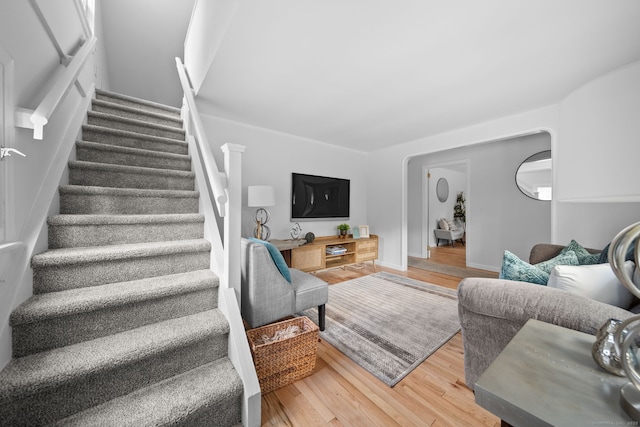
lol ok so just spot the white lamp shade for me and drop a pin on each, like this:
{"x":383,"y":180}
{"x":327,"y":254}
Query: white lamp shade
{"x":261,"y":196}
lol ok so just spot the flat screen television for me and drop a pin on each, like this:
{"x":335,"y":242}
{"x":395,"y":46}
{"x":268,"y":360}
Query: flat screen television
{"x":317,"y":197}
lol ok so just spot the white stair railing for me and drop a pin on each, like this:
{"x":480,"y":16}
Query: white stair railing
{"x":38,"y":118}
{"x":223,"y":191}
{"x":64,"y":78}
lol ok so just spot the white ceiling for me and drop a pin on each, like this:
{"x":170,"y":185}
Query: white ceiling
{"x":368,"y":74}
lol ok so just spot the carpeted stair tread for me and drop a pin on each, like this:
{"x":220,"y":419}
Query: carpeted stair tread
{"x":114,"y":154}
{"x":65,"y":256}
{"x":65,"y":303}
{"x":30,"y":374}
{"x":123,"y":138}
{"x":92,"y":200}
{"x":105,"y":106}
{"x":67,"y":231}
{"x":130,"y":192}
{"x":176,"y":401}
{"x":137,"y":102}
{"x":134,"y":125}
{"x":124,"y":176}
{"x":123,"y":219}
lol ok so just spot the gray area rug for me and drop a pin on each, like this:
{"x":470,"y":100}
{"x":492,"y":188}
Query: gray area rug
{"x":426,"y":264}
{"x":389,"y":324}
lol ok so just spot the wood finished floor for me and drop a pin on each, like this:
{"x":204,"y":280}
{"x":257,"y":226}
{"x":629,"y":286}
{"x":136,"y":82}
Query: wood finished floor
{"x":341,"y":393}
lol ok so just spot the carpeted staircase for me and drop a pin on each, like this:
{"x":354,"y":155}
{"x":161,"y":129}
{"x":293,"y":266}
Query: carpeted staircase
{"x":123,"y":328}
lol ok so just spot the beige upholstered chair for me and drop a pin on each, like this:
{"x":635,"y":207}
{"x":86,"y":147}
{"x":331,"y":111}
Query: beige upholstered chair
{"x":449,"y":230}
{"x":267,"y":295}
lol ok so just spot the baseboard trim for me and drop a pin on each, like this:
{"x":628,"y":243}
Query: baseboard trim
{"x":484,"y":267}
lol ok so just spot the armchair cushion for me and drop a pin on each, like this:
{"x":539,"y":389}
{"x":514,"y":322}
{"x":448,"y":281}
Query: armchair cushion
{"x":310,"y":291}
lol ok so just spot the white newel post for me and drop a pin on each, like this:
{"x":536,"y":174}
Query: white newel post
{"x":233,"y":215}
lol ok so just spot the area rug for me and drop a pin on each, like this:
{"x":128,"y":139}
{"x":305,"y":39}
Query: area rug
{"x":388,"y":324}
{"x":426,"y":264}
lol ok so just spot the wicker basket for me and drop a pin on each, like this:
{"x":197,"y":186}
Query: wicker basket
{"x":284,"y":361}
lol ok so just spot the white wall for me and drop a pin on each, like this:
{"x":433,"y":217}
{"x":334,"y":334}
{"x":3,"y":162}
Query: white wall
{"x":499,"y":216}
{"x":599,"y":134}
{"x":33,"y":180}
{"x":270,"y":158}
{"x":598,"y":158}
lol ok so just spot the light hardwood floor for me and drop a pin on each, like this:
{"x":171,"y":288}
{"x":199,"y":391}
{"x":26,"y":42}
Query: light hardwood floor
{"x":341,"y":393}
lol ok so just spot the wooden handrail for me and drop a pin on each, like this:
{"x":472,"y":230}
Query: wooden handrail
{"x":214,"y":177}
{"x":38,"y":118}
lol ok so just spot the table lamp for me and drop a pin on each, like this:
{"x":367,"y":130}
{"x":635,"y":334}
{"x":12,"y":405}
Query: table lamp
{"x":261,"y":196}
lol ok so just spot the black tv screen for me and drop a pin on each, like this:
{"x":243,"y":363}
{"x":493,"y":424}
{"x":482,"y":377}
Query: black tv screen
{"x":314,"y":197}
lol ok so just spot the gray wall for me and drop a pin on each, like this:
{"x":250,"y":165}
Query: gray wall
{"x":499,"y":216}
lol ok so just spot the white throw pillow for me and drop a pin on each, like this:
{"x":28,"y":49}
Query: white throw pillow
{"x":444,"y":225}
{"x":597,"y":281}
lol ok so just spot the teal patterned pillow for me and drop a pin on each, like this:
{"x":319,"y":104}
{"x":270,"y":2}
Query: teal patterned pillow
{"x":513,"y":268}
{"x":277,"y":257}
{"x":567,"y":258}
{"x":584,"y":256}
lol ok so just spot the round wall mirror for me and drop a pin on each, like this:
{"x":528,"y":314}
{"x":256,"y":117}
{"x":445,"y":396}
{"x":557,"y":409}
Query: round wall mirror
{"x":442,"y":190}
{"x":534,"y":177}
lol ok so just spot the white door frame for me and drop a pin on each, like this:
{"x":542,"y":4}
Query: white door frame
{"x":7,"y":229}
{"x":426,"y":221}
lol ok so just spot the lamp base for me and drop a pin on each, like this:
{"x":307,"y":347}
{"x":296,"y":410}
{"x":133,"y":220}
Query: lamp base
{"x":630,"y":400}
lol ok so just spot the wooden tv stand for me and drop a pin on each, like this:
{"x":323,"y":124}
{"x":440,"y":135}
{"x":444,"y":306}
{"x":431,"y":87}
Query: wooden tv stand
{"x":313,"y":256}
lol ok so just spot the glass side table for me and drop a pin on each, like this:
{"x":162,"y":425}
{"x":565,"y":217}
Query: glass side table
{"x":546,"y":377}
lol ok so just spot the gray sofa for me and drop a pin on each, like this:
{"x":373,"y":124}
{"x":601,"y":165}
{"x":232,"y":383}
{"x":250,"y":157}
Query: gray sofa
{"x":267,"y":296}
{"x":492,"y":311}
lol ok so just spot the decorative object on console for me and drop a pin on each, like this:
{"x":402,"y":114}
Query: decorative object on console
{"x":604,"y":348}
{"x":364,"y":231}
{"x":356,"y":233}
{"x":344,"y":229}
{"x":296,"y":230}
{"x":309,"y":237}
{"x":261,"y":196}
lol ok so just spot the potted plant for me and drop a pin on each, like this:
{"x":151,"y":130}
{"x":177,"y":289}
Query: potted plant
{"x":343,"y":228}
{"x":459,"y":211}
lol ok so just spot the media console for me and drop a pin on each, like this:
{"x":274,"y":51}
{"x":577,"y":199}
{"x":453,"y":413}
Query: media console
{"x":313,"y":256}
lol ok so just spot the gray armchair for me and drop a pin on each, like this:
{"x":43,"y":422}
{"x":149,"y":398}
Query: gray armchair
{"x":454,"y":230}
{"x":267,"y":296}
